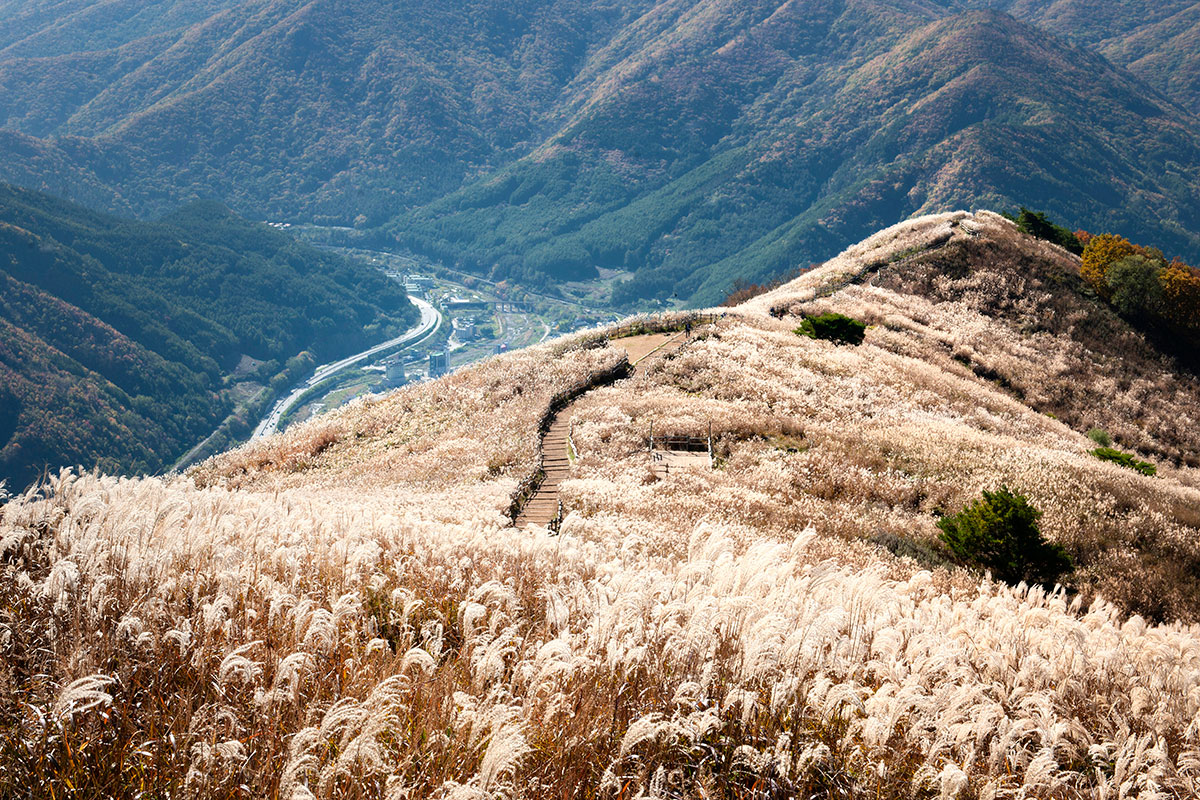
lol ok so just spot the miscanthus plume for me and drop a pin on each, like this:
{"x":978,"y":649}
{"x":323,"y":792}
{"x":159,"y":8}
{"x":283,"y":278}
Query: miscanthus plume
{"x":346,"y":611}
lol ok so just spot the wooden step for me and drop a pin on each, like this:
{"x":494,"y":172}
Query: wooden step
{"x":543,"y":507}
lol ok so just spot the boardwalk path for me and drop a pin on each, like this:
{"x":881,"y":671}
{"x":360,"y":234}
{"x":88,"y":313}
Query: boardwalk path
{"x":542,"y":508}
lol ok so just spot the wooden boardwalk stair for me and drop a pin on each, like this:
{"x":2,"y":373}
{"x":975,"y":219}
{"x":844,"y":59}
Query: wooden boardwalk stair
{"x":543,"y":509}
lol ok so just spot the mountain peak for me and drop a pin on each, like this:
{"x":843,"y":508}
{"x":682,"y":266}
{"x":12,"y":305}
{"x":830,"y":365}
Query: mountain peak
{"x":748,"y":514}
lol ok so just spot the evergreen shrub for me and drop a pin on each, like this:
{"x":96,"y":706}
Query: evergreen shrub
{"x":833,"y":327}
{"x":1125,"y":460}
{"x":1000,"y":532}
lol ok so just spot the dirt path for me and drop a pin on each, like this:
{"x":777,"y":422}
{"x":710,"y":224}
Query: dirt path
{"x":640,"y":347}
{"x":542,"y":509}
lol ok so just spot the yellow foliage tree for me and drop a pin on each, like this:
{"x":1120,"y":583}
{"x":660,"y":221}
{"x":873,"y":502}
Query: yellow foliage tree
{"x":1101,"y":253}
{"x":1181,"y":286}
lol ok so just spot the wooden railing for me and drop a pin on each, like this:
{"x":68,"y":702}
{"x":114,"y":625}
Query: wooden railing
{"x":529,"y":487}
{"x":526,"y":489}
{"x":687,"y":444}
{"x":661,"y":323}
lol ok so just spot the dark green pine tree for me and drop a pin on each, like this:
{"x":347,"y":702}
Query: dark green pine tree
{"x":1000,"y":532}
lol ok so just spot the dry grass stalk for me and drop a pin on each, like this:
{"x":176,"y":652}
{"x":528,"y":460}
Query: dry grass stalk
{"x":341,"y":611}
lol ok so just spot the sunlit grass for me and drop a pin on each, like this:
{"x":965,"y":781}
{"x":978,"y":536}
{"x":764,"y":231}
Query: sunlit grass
{"x":343,"y":611}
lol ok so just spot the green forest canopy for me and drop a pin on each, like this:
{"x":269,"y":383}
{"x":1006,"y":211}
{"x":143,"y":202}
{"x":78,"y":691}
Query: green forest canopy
{"x":117,"y":335}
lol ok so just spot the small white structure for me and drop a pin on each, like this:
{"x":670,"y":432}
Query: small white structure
{"x":466,"y":329}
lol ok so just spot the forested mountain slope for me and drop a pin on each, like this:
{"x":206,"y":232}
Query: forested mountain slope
{"x":702,"y":158}
{"x":694,"y":141}
{"x":1157,"y":41}
{"x":118,"y":335}
{"x":318,"y":109}
{"x":346,"y":608}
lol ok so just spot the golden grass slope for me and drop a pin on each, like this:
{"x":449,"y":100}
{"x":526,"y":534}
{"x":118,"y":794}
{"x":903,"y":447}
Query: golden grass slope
{"x":343,"y":611}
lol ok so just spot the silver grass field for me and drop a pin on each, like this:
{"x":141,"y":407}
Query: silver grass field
{"x":344,"y":610}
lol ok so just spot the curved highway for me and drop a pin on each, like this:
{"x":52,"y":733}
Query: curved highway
{"x":430,"y":319}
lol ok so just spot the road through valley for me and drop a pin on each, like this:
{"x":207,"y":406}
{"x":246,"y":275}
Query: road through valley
{"x":430,"y":319}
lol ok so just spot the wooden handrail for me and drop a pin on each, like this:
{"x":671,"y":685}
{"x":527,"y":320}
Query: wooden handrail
{"x":528,"y":487}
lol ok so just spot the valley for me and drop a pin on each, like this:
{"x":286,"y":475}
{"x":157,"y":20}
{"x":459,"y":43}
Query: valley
{"x":126,"y":342}
{"x":467,"y":322}
{"x":600,"y":399}
{"x":430,"y":320}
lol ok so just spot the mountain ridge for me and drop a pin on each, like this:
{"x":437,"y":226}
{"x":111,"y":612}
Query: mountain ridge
{"x":891,"y":149}
{"x":785,"y":615}
{"x":696,"y":143}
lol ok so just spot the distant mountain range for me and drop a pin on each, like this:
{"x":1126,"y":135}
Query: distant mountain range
{"x":118,"y":339}
{"x":694,"y":142}
{"x":1157,"y":41}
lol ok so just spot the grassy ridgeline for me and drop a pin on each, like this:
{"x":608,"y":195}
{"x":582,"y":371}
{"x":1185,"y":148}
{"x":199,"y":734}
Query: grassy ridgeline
{"x":343,"y":611}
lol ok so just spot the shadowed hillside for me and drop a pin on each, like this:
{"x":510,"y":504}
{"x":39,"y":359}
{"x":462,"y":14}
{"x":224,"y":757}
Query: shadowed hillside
{"x":119,"y":336}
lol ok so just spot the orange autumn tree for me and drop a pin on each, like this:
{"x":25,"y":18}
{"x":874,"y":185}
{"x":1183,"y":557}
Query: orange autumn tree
{"x":1141,"y":284}
{"x":1181,"y":286}
{"x":1100,"y":253}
